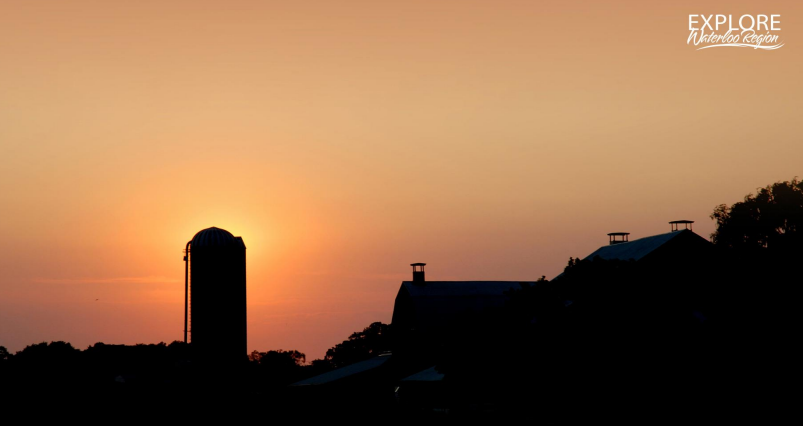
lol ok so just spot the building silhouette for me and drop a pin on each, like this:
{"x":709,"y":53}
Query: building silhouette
{"x":426,"y":312}
{"x":215,"y":297}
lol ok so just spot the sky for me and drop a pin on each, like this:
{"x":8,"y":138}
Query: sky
{"x":345,"y":140}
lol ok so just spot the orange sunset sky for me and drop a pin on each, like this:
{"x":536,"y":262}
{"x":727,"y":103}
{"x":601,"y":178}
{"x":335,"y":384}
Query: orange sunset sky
{"x":344,"y":140}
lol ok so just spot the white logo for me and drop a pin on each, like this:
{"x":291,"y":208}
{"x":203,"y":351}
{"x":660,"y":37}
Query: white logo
{"x":757,"y":31}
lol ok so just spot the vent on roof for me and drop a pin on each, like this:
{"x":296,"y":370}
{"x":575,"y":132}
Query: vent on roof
{"x":675,"y":224}
{"x":418,"y":272}
{"x":618,"y":237}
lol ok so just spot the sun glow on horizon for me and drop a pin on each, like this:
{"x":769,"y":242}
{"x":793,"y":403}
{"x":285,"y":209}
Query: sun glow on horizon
{"x":345,"y":141}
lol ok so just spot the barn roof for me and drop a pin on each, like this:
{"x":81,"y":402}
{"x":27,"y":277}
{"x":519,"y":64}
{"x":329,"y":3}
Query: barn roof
{"x":428,"y":375}
{"x":344,"y":372}
{"x":638,"y":249}
{"x":432,"y":305}
{"x":635,"y":249}
{"x":460,"y":288}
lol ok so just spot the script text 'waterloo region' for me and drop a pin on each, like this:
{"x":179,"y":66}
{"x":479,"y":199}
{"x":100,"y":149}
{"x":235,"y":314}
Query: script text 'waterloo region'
{"x":708,"y":31}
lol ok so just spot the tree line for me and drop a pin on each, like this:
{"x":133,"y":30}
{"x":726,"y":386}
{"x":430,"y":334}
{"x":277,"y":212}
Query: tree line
{"x":100,"y":364}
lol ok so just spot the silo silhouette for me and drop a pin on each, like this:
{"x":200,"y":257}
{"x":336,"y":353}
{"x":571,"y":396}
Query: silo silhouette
{"x":214,"y":311}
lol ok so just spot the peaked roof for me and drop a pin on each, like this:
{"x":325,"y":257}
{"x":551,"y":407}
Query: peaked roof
{"x":428,"y":375}
{"x":636,"y":249}
{"x":344,"y":372}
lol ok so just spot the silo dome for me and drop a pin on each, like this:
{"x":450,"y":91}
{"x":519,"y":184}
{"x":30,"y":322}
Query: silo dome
{"x":214,"y":237}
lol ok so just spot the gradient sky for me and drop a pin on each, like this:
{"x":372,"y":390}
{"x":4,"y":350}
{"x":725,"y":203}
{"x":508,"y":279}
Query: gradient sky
{"x":344,"y":140}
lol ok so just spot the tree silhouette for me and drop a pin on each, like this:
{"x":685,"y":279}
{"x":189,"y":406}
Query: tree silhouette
{"x":771,"y":219}
{"x":4,"y":361}
{"x":279,"y":357}
{"x":360,"y":346}
{"x":277,"y":368}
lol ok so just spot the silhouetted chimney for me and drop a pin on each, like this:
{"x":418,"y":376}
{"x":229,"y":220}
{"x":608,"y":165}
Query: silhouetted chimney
{"x":618,"y":237}
{"x":418,"y":272}
{"x":675,"y":225}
